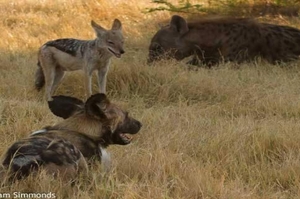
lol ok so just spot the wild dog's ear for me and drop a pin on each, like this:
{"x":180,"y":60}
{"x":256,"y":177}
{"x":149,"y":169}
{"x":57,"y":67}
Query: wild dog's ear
{"x":100,"y":31}
{"x":117,"y":25}
{"x":96,"y":105}
{"x":64,"y":106}
{"x":179,"y":24}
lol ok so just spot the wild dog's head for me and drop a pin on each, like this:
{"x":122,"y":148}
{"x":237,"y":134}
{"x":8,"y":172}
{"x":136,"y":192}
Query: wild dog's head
{"x":111,"y":39}
{"x":96,"y":117}
{"x":166,"y":42}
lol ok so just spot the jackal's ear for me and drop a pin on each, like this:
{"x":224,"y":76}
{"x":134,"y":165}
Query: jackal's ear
{"x":96,"y":105}
{"x":65,"y":106}
{"x":179,"y":24}
{"x":117,"y":25}
{"x":100,"y":31}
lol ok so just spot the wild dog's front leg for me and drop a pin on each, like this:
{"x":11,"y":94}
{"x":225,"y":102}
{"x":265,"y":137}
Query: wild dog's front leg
{"x":102,"y":73}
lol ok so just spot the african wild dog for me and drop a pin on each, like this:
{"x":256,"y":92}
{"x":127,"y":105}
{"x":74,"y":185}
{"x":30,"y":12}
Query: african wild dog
{"x":224,"y":39}
{"x":56,"y":57}
{"x":69,"y":146}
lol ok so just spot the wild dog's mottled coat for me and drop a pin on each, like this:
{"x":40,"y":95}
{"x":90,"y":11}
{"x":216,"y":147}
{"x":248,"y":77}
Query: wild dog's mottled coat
{"x":88,"y":128}
{"x":31,"y":153}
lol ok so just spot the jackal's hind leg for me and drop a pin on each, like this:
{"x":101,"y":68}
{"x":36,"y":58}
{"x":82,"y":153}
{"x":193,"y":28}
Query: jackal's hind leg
{"x":59,"y":74}
{"x":49,"y":80}
{"x":48,"y":65}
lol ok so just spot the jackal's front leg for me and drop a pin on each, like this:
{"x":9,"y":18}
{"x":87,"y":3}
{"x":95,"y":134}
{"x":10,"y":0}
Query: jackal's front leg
{"x":88,"y":83}
{"x":102,"y":73}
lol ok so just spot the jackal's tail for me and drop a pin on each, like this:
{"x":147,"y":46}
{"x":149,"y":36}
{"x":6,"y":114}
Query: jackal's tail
{"x":39,"y":77}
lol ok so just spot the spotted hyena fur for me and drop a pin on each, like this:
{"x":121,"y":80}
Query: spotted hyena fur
{"x":224,"y":39}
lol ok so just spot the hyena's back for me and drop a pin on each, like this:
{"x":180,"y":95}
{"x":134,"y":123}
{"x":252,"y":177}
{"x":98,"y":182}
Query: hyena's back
{"x":30,"y":154}
{"x":281,"y":43}
{"x":243,"y":39}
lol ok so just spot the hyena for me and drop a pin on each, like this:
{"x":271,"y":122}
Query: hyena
{"x":68,"y":147}
{"x":56,"y":57}
{"x":210,"y":41}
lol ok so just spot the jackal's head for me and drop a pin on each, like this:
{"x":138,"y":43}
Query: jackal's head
{"x":97,"y":117}
{"x":111,"y":39}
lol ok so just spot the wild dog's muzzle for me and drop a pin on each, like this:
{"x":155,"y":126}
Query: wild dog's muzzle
{"x":122,"y":135}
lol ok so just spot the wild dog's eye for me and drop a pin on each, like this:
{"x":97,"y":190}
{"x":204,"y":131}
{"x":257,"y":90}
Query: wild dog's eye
{"x":110,"y":42}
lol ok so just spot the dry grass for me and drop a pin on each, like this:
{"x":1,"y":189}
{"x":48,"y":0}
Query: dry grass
{"x":221,"y":133}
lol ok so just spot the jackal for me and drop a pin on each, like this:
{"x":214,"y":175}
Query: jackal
{"x":56,"y":57}
{"x":68,"y":147}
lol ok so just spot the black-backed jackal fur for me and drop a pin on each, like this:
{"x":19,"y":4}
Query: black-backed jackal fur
{"x":69,"y":146}
{"x":56,"y":57}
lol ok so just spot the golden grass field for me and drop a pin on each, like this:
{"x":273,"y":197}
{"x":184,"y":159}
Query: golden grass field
{"x":230,"y":132}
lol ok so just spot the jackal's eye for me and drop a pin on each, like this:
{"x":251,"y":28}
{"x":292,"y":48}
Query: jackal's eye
{"x":110,"y":42}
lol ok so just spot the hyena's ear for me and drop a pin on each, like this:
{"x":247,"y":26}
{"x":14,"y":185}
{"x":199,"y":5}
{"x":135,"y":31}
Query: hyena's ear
{"x":161,"y":26}
{"x":179,"y":24}
{"x":117,"y":25}
{"x":96,"y":105}
{"x":100,"y":31}
{"x":64,"y":106}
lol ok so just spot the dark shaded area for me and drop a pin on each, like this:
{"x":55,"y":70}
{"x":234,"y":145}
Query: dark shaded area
{"x":264,"y":9}
{"x":229,"y":7}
